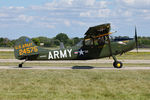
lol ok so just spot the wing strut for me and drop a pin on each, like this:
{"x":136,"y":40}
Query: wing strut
{"x":116,"y":64}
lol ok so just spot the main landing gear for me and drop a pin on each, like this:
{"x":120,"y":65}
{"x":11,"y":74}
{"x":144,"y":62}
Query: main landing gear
{"x":117,"y":64}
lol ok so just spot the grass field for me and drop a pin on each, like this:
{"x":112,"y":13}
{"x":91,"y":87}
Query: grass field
{"x":74,"y":85}
{"x":28,"y":64}
{"x":135,"y":56}
{"x":7,"y":55}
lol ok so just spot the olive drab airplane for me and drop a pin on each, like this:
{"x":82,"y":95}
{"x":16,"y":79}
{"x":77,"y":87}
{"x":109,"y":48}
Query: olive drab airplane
{"x":96,"y":44}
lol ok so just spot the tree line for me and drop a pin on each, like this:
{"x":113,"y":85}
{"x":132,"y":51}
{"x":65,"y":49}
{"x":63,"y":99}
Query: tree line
{"x":143,"y":42}
{"x":45,"y":41}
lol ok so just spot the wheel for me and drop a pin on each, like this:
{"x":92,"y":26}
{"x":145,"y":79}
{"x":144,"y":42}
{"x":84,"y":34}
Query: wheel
{"x":20,"y":66}
{"x":117,"y":64}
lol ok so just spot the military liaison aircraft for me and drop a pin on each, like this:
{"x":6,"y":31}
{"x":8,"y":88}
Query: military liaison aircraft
{"x":96,"y":44}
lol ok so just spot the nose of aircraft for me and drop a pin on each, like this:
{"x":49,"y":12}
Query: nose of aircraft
{"x":136,"y":39}
{"x":132,"y":44}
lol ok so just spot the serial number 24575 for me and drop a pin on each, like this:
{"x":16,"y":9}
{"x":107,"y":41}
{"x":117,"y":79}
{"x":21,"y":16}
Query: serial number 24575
{"x":28,"y":50}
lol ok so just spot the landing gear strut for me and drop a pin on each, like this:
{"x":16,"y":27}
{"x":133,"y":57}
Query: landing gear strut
{"x":117,"y":64}
{"x":20,"y":65}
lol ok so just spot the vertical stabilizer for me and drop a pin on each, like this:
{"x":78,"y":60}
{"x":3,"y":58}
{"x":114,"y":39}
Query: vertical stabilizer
{"x":24,"y":48}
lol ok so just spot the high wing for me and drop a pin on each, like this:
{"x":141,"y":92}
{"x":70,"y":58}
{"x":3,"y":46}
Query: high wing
{"x":98,"y":31}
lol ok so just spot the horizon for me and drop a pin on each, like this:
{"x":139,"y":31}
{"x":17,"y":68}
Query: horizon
{"x":47,"y":18}
{"x":75,"y":37}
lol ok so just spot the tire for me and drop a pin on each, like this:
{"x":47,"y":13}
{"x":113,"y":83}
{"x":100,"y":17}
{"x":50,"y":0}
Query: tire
{"x":20,"y":66}
{"x":117,"y":64}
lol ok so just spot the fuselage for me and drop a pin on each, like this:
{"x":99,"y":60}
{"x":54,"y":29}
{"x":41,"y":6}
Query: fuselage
{"x":84,"y":52}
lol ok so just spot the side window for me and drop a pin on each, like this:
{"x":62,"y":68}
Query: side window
{"x":100,"y":41}
{"x":88,"y":42}
{"x":96,"y":41}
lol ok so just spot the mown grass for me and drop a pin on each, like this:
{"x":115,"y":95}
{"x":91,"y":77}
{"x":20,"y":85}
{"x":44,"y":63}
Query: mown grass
{"x":74,"y":85}
{"x":7,"y":55}
{"x":135,"y":56}
{"x":28,"y":64}
{"x":129,"y":55}
{"x":6,"y":48}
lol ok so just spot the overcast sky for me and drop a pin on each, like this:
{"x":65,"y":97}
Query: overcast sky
{"x":35,"y":18}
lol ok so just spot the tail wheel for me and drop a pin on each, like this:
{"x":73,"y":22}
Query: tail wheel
{"x":20,"y":66}
{"x":117,"y":64}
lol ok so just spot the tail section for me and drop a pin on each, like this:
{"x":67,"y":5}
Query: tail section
{"x":25,"y":49}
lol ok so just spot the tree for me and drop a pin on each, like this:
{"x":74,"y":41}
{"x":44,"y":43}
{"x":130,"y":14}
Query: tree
{"x":5,"y":42}
{"x":47,"y":41}
{"x":70,"y":42}
{"x":76,"y":40}
{"x":62,"y":37}
{"x":56,"y":42}
{"x":36,"y":41}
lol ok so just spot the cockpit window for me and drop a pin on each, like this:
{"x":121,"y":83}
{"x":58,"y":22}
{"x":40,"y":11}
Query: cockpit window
{"x":80,"y":43}
{"x":101,"y":40}
{"x":97,"y":41}
{"x":88,"y":42}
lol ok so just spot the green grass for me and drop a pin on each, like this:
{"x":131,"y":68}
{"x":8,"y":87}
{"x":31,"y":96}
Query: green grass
{"x":6,"y":48}
{"x":28,"y":64}
{"x":74,"y":85}
{"x":135,"y":56}
{"x":7,"y":55}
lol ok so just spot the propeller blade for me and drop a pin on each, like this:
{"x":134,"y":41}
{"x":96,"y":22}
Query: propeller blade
{"x":136,"y":39}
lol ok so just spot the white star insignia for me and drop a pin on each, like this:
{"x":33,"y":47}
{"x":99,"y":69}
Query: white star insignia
{"x":81,"y":52}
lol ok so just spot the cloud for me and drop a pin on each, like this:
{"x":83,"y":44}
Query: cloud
{"x":12,"y":9}
{"x":80,"y":23}
{"x":58,"y":15}
{"x":85,"y":14}
{"x":129,"y":2}
{"x":48,"y":25}
{"x":3,"y":15}
{"x":127,"y":13}
{"x":69,"y":10}
{"x":67,"y":23}
{"x":25,"y":18}
{"x":15,"y":8}
{"x":98,"y":13}
{"x":132,"y":10}
{"x":89,"y":2}
{"x":140,"y":4}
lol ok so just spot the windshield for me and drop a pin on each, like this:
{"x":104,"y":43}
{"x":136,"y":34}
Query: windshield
{"x":96,"y":41}
{"x":80,"y":43}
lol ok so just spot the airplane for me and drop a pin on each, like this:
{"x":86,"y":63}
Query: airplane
{"x":95,"y":45}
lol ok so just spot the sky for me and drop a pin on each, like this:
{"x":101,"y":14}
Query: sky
{"x":35,"y":18}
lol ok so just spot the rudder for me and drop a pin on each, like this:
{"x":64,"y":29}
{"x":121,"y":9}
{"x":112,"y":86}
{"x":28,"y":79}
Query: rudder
{"x":25,"y":48}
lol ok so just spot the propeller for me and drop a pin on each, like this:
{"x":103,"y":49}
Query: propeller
{"x":136,"y":39}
